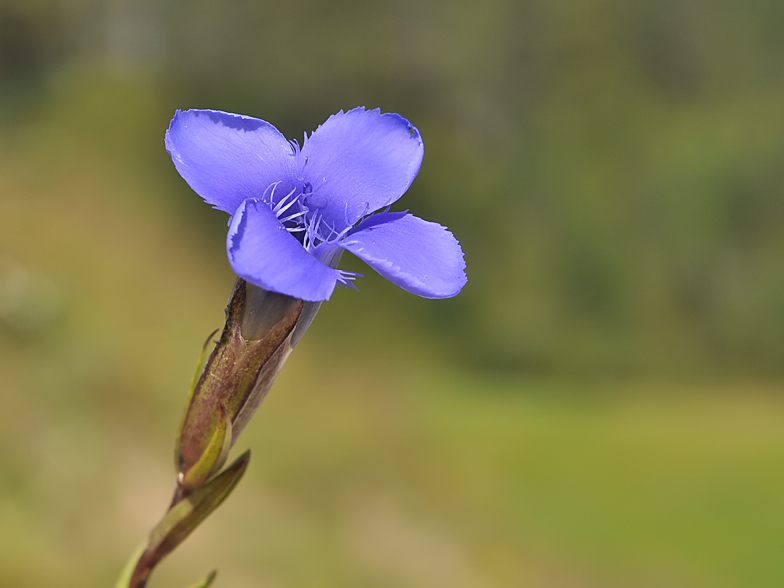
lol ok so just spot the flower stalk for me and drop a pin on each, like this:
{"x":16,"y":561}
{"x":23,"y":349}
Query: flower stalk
{"x":255,"y":343}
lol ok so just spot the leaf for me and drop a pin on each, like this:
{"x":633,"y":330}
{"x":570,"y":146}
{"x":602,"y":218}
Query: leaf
{"x":125,"y":576}
{"x":205,"y":581}
{"x":191,"y":510}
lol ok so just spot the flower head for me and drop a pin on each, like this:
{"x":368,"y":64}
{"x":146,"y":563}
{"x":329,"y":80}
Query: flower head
{"x":294,"y":210}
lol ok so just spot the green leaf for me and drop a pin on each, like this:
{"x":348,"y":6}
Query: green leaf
{"x":191,"y":510}
{"x":130,"y":566}
{"x":205,"y":581}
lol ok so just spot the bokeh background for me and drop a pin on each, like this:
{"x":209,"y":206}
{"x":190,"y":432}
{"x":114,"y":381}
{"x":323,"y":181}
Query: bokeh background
{"x":601,"y":406}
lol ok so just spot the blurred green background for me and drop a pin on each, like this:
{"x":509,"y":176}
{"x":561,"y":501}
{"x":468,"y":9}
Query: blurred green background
{"x":600,"y":407}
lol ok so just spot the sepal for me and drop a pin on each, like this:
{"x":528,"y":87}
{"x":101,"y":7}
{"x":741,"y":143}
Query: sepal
{"x":214,"y":455}
{"x":237,"y":376}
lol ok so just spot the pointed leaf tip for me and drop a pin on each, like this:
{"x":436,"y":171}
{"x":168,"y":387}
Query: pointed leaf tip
{"x":205,"y":581}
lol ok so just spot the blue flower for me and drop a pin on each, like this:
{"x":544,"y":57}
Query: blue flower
{"x":295,"y":210}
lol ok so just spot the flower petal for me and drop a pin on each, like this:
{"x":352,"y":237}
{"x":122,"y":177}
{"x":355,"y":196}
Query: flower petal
{"x":358,"y":162}
{"x":227,"y":158}
{"x":264,"y":253}
{"x":419,"y":256}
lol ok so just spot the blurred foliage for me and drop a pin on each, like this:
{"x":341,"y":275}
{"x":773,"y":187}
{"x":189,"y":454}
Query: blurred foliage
{"x":613,"y":169}
{"x":614,"y":172}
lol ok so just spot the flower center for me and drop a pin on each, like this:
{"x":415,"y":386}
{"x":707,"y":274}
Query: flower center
{"x":298,"y":212}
